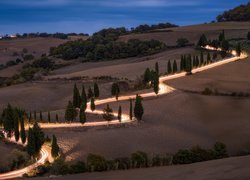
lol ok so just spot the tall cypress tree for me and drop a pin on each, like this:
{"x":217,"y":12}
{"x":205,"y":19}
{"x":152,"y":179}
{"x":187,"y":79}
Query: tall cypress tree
{"x":30,"y":117}
{"x":35,"y":115}
{"x":208,"y":58}
{"x":138,"y":109}
{"x":8,"y":120}
{"x":169,"y":67}
{"x":130,"y":109}
{"x":39,"y":138}
{"x":96,"y":90}
{"x":54,"y":147}
{"x":194,"y":61}
{"x":115,"y":90}
{"x":16,"y":124}
{"x":92,"y":104}
{"x":119,"y":116}
{"x":202,"y":59}
{"x":48,"y":117}
{"x":189,"y":64}
{"x":157,"y":68}
{"x":31,"y":149}
{"x":57,"y":119}
{"x":83,"y":95}
{"x":70,"y":113}
{"x":82,"y":115}
{"x":156,"y":83}
{"x":147,"y":76}
{"x":76,"y":97}
{"x":41,"y":116}
{"x":22,"y":131}
{"x":238,"y":49}
{"x":175,"y":69}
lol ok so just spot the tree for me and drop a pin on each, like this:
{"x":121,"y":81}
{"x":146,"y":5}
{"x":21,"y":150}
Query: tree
{"x":225,"y":45}
{"x":83,"y":96}
{"x":115,"y":90}
{"x":238,"y":49}
{"x":189,"y":64}
{"x":248,"y":35}
{"x":197,"y":61}
{"x":208,"y":58}
{"x":90,"y":93}
{"x":82,"y":116}
{"x":169,"y":67}
{"x":175,"y":69}
{"x":48,"y":117}
{"x":22,"y":131}
{"x":30,"y":117}
{"x":182,"y":42}
{"x":31,"y":142}
{"x":41,"y":116}
{"x":194,"y":62}
{"x":16,"y":124}
{"x":8,"y":120}
{"x":35,"y":115}
{"x":182,"y":63}
{"x":157,"y":68}
{"x":156,"y":83}
{"x":92,"y":104}
{"x":57,"y":119}
{"x":202,"y":41}
{"x":222,"y":36}
{"x":147,"y":76}
{"x":119,"y":116}
{"x":54,"y":147}
{"x":70,"y":113}
{"x":96,"y":91}
{"x":39,"y":138}
{"x":130,"y":109}
{"x":108,"y":113}
{"x":201,"y":59}
{"x":76,"y":97}
{"x":138,"y":109}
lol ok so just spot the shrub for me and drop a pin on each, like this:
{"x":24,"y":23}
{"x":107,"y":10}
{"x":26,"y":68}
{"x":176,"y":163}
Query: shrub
{"x":220,"y":150}
{"x":78,"y":167}
{"x":139,"y":159}
{"x":123,"y":163}
{"x":59,"y":167}
{"x":183,"y":157}
{"x":207,"y":91}
{"x":96,"y":163}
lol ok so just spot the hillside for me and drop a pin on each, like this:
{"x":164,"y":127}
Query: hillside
{"x":239,"y":13}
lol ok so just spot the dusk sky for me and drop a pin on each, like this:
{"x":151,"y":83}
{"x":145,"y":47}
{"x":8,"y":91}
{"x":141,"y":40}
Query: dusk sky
{"x":88,"y":16}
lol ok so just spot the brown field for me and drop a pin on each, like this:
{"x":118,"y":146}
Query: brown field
{"x":178,"y":120}
{"x":230,"y":168}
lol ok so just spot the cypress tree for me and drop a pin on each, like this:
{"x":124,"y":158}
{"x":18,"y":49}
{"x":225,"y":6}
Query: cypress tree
{"x":30,"y":117}
{"x":130,"y":109}
{"x":90,"y":93}
{"x":83,"y":95}
{"x":201,"y":59}
{"x":238,"y":49}
{"x":194,"y":61}
{"x":202,"y":41}
{"x":208,"y":58}
{"x":248,"y":35}
{"x":189,"y":64}
{"x":157,"y":68}
{"x":82,"y":115}
{"x":39,"y":138}
{"x":8,"y":120}
{"x":108,"y":113}
{"x":16,"y":124}
{"x":54,"y":147}
{"x":197,"y":61}
{"x":156,"y":83}
{"x":92,"y":104}
{"x":31,"y":143}
{"x":48,"y":117}
{"x":70,"y":113}
{"x":169,"y":67}
{"x":138,"y":109}
{"x":175,"y":69}
{"x":57,"y":119}
{"x":147,"y":76}
{"x":76,"y":97}
{"x":22,"y":131}
{"x":96,"y":90}
{"x":115,"y":90}
{"x":35,"y":115}
{"x":222,"y":36}
{"x":182,"y":63}
{"x":41,"y":116}
{"x":119,"y":116}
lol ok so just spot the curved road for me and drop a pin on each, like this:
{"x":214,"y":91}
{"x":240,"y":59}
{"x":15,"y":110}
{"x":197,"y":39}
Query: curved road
{"x":163,"y":89}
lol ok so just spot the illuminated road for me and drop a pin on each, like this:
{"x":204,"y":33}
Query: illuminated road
{"x":163,"y":89}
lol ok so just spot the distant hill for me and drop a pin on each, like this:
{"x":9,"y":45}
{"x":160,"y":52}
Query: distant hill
{"x":240,"y":13}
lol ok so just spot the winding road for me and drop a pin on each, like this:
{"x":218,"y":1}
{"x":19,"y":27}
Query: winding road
{"x":163,"y":89}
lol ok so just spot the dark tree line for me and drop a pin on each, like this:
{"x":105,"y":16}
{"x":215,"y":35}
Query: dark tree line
{"x":103,"y":45}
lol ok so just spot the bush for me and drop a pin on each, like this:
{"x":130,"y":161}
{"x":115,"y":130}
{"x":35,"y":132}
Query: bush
{"x":79,"y":167}
{"x":183,"y":157}
{"x":59,"y":167}
{"x":123,"y":163}
{"x":182,"y":42}
{"x":139,"y":159}
{"x":220,"y":150}
{"x":96,"y":163}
